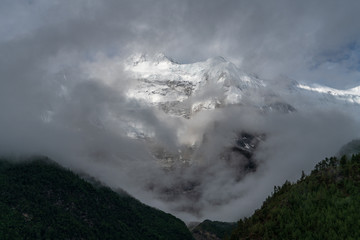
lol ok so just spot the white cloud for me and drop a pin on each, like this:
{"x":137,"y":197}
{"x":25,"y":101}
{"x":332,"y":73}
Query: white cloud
{"x":49,"y":67}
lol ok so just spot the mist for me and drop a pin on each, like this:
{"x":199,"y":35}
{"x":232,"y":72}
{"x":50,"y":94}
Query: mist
{"x":63,"y":94}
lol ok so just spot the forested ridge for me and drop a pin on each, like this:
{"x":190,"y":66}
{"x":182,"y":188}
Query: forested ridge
{"x":41,"y":200}
{"x":212,"y":230}
{"x":322,"y":205}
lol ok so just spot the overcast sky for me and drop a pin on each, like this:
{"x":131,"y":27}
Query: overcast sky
{"x":308,"y":40}
{"x":49,"y":105}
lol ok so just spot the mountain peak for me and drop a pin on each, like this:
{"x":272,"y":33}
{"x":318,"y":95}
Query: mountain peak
{"x":157,"y":58}
{"x":188,"y":88}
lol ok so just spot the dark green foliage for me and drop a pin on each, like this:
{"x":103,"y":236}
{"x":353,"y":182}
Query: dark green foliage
{"x":219,"y":229}
{"x":40,"y":200}
{"x":323,"y":205}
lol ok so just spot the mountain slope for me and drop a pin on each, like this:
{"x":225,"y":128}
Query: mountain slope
{"x":351,"y":95}
{"x":40,"y":200}
{"x":212,"y":230}
{"x":185,"y":89}
{"x":323,"y":205}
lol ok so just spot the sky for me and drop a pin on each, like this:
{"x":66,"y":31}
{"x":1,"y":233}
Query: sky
{"x":50,"y":104}
{"x":310,"y":41}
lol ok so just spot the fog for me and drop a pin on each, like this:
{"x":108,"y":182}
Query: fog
{"x":62,"y":93}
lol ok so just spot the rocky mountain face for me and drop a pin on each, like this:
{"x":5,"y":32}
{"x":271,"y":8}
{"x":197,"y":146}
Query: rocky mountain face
{"x":185,"y":89}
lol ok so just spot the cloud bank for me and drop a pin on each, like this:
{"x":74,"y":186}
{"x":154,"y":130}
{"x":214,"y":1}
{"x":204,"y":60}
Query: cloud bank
{"x":58,"y":96}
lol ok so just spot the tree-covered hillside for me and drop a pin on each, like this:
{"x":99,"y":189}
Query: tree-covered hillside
{"x":40,"y":200}
{"x":323,"y":205}
{"x":212,"y":230}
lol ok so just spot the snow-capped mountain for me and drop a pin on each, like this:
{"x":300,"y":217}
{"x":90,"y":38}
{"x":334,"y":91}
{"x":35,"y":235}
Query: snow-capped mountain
{"x":207,"y":126}
{"x":350,"y":95}
{"x":184,"y":89}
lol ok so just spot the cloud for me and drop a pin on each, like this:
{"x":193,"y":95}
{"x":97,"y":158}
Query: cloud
{"x":269,"y":38}
{"x":62,"y":92}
